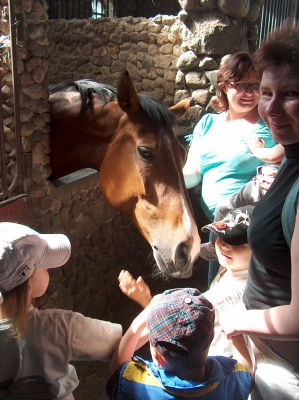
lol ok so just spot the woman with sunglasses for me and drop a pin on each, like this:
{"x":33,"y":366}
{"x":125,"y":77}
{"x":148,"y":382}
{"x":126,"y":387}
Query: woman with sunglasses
{"x":219,"y":153}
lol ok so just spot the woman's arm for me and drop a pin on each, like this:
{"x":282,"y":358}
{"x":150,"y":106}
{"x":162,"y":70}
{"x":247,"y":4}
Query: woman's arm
{"x":280,"y":323}
{"x":191,"y":170}
{"x":192,"y":176}
{"x":270,"y":154}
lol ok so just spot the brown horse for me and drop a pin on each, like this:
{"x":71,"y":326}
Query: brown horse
{"x":129,"y":139}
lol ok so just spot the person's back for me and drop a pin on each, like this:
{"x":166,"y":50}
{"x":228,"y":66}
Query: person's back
{"x":140,"y":379}
{"x":53,"y":338}
{"x":36,"y":346}
{"x":180,"y":328}
{"x":11,"y":356}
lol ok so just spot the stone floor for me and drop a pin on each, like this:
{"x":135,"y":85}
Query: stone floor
{"x":93,"y":375}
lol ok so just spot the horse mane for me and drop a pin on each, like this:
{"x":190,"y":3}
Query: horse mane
{"x":154,"y":109}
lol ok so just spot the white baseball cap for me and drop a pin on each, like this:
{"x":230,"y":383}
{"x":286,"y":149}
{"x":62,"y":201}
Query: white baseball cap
{"x":22,"y":250}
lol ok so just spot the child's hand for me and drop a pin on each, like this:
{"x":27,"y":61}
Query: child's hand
{"x":254,"y":142}
{"x":268,"y":175}
{"x":136,"y":290}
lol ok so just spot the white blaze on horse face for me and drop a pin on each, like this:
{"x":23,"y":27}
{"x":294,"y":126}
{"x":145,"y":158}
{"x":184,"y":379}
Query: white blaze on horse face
{"x":188,"y":220}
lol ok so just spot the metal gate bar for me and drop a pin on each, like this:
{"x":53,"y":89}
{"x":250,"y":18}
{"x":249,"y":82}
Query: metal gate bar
{"x":69,"y":9}
{"x":274,"y":13}
{"x":7,"y":190}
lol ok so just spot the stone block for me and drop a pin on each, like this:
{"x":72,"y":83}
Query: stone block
{"x":234,"y":9}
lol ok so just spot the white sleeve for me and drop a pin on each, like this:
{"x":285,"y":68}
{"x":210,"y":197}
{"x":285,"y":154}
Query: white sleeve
{"x":192,"y":179}
{"x":93,"y":339}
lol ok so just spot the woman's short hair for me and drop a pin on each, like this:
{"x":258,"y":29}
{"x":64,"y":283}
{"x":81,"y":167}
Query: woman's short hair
{"x":233,"y":69}
{"x":280,"y":47}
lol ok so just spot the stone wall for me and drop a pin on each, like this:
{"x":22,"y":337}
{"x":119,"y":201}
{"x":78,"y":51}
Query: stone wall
{"x":168,"y":57}
{"x":102,"y":49}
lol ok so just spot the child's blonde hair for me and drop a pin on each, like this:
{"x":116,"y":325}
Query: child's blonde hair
{"x":14,"y":308}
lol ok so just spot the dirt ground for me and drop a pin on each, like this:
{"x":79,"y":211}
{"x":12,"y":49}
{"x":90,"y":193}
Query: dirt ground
{"x":94,"y":375}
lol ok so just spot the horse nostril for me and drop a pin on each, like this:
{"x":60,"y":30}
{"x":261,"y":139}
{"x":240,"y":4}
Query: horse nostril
{"x":182,"y":255}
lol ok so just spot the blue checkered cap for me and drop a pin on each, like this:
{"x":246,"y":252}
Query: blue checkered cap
{"x":184,"y":318}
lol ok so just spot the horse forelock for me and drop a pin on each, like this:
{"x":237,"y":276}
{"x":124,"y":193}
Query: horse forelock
{"x":156,"y":111}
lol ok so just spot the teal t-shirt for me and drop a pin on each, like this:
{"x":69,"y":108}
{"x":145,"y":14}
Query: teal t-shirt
{"x":223,"y":156}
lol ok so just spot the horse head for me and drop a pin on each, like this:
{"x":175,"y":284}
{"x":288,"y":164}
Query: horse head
{"x":141,"y":175}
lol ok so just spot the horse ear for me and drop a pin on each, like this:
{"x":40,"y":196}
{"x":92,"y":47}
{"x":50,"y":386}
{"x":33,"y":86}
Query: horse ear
{"x":126,"y":95}
{"x":181,"y":107}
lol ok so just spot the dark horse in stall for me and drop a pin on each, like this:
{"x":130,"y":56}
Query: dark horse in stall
{"x":129,"y":139}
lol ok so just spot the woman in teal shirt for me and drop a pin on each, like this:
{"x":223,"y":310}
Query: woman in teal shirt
{"x":219,"y":153}
{"x":223,"y":157}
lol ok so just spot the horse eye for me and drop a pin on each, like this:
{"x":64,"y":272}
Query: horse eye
{"x":146,"y":153}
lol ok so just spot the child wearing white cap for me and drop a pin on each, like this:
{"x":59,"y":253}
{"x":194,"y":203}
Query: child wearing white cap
{"x":36,"y":346}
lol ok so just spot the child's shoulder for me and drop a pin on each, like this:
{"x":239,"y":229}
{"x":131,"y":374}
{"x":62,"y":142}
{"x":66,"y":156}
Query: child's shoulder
{"x":225,"y":365}
{"x":49,"y":317}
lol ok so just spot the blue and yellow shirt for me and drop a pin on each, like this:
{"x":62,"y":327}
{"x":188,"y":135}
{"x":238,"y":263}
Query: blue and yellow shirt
{"x":140,"y":379}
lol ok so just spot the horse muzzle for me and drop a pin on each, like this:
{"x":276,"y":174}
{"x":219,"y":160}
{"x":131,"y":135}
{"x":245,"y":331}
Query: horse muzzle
{"x":180,"y":267}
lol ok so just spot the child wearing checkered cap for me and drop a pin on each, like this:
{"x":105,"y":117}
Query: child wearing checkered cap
{"x":179,"y":325}
{"x":227,"y":289}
